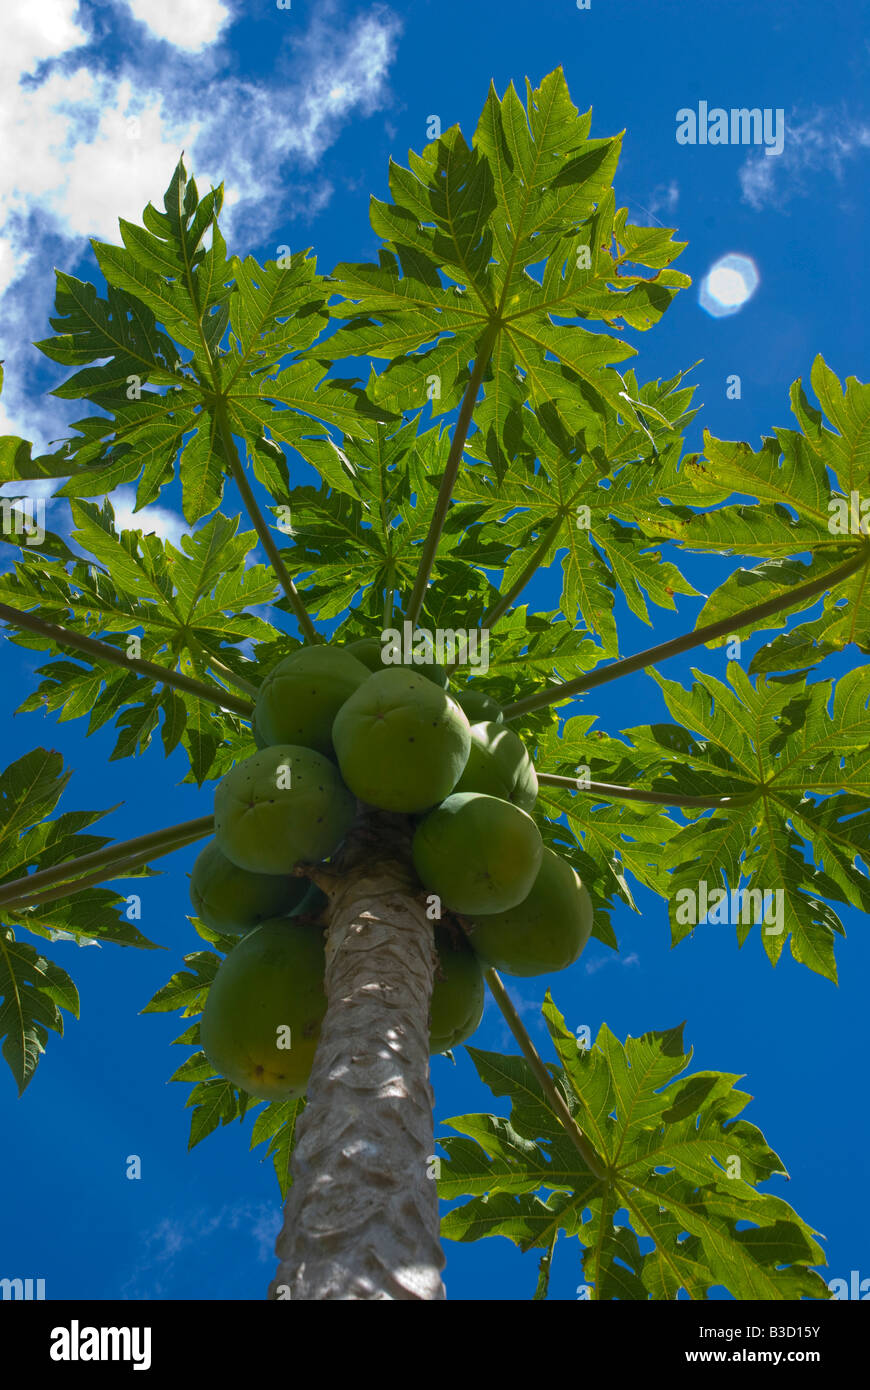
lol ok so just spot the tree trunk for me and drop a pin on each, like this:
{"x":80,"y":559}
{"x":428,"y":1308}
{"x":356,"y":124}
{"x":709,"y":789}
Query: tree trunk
{"x":361,"y":1218}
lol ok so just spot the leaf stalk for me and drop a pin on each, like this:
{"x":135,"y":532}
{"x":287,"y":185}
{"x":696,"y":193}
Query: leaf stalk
{"x":548,"y":1085}
{"x":555,"y":694}
{"x":451,"y":469}
{"x":141,"y":848}
{"x":612,"y":791}
{"x":263,"y":529}
{"x":102,"y":651}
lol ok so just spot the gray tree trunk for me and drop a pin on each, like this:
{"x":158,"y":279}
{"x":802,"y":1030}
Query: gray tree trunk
{"x":361,"y":1217}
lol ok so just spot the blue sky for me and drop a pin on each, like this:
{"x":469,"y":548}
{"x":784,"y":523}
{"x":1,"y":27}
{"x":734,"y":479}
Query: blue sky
{"x":298,"y":111}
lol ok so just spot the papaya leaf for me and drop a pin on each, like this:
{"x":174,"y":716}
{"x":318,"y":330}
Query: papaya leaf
{"x":275,"y":1124}
{"x":30,"y":789}
{"x":187,"y":989}
{"x":748,"y":863}
{"x":214,"y":1100}
{"x":796,"y":510}
{"x":33,"y":990}
{"x":170,"y":294}
{"x":678,"y":1159}
{"x":461,"y":236}
{"x":178,"y":607}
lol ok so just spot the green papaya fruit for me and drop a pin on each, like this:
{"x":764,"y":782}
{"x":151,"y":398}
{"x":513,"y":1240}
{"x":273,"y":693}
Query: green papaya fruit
{"x":370,"y":651}
{"x":479,"y":707}
{"x":262,"y":1016}
{"x":281,"y":806}
{"x":499,"y":764}
{"x":401,"y":742}
{"x":229,"y":899}
{"x":477,"y":853}
{"x":545,"y":932}
{"x":458,"y":993}
{"x":300,"y":698}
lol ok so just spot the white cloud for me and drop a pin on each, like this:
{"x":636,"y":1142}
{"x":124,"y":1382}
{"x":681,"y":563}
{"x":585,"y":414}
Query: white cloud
{"x":31,"y":32}
{"x":265,"y":1232}
{"x":823,"y":143}
{"x":593,"y":966}
{"x":168,"y":525}
{"x":80,"y":146}
{"x":306,"y":200}
{"x":342,"y":72}
{"x":82,"y":150}
{"x":664,"y":197}
{"x":41,"y":488}
{"x":55,"y":515}
{"x":156,"y":1273}
{"x":188,"y":24}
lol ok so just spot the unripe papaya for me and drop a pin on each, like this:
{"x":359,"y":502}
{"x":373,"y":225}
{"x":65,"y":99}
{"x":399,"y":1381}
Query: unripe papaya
{"x":401,"y":742}
{"x":264,"y":1008}
{"x":499,"y":765}
{"x":479,"y":707}
{"x":370,"y":651}
{"x":230,"y":899}
{"x":282,"y":805}
{"x":545,"y":932}
{"x":458,"y":993}
{"x":477,"y":853}
{"x":300,"y":698}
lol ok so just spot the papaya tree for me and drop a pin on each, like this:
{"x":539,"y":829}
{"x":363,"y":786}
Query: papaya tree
{"x":400,"y":799}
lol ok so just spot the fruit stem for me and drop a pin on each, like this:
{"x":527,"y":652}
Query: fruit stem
{"x":548,"y":1085}
{"x":143,"y":847}
{"x":451,"y":469}
{"x":325,"y":879}
{"x":723,"y":627}
{"x":611,"y":791}
{"x":264,"y":531}
{"x":102,"y":651}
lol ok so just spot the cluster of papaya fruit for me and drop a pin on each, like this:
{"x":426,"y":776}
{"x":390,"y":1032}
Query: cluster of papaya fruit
{"x":333,"y":725}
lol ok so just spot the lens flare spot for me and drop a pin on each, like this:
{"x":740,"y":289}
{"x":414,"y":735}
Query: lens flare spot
{"x":728,"y":285}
